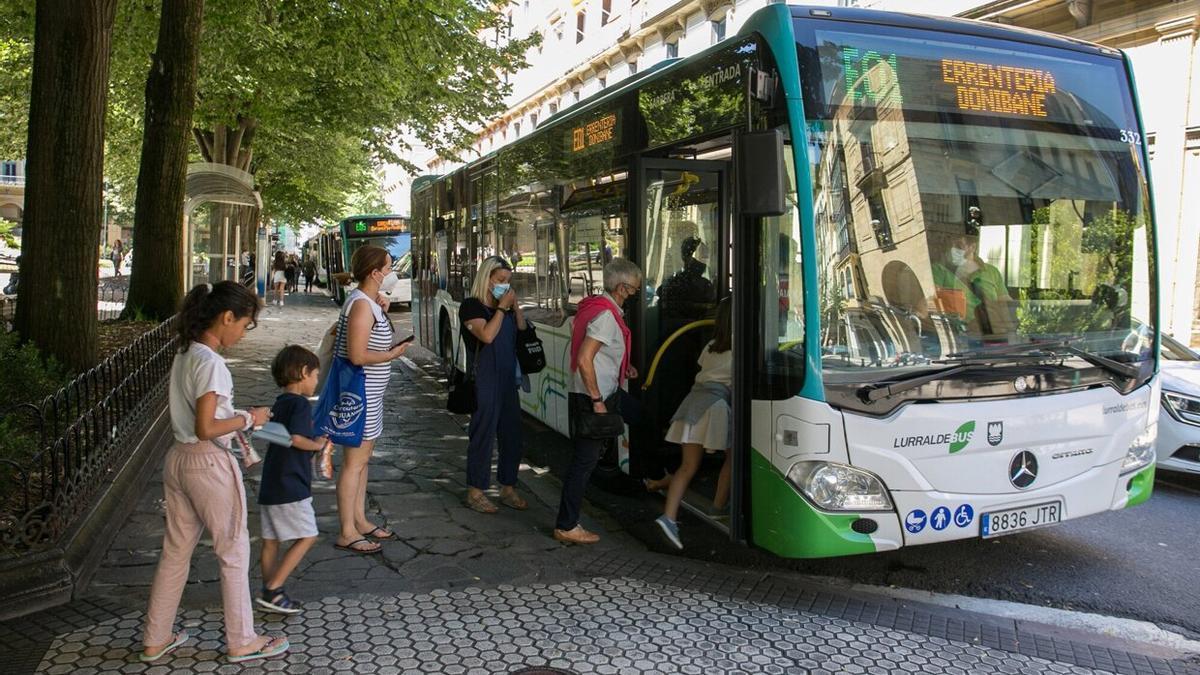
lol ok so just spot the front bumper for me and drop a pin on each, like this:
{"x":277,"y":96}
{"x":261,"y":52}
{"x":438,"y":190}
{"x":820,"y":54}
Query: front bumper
{"x":1096,"y":491}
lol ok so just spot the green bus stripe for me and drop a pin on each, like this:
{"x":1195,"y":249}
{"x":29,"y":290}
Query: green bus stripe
{"x":787,"y":525}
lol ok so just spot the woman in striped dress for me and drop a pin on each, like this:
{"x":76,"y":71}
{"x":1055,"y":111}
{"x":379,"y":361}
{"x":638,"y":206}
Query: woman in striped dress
{"x":365,"y":337}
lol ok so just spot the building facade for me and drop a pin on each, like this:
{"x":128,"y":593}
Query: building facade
{"x":12,"y":190}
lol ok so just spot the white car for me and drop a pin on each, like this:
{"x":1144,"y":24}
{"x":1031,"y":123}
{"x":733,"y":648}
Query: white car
{"x":1179,"y":421}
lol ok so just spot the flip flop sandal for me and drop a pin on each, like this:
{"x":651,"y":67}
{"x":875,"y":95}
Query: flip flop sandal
{"x":177,"y":641}
{"x":390,"y":535}
{"x":265,"y":652}
{"x":361,"y":551}
{"x":514,"y":501}
{"x":481,"y":504}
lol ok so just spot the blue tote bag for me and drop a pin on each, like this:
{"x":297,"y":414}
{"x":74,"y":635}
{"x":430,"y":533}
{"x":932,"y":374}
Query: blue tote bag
{"x":341,"y":411}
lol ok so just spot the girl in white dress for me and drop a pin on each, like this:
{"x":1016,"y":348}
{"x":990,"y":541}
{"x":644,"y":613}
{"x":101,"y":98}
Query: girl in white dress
{"x":702,"y":425}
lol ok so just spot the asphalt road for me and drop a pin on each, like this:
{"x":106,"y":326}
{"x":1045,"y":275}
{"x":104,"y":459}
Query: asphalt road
{"x":1140,"y":563}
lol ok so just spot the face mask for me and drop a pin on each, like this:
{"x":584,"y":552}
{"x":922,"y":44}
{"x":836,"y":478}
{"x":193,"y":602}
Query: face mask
{"x":388,"y":282}
{"x":957,"y":256}
{"x":499,"y":290}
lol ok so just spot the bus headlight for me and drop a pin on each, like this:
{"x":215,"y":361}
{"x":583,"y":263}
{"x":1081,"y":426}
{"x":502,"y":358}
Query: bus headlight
{"x":1141,"y":450}
{"x":838,"y":487}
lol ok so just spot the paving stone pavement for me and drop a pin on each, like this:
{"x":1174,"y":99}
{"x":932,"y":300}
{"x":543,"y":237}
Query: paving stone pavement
{"x":463,"y":592}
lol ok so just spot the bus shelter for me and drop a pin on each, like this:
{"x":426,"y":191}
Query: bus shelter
{"x":210,"y":183}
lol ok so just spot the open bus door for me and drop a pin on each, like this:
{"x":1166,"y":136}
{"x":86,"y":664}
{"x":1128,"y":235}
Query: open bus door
{"x":683,"y":244}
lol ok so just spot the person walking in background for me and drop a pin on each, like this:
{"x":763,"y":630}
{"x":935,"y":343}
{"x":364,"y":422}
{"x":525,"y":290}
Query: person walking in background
{"x":702,"y":424}
{"x":365,"y":338}
{"x":490,"y":319}
{"x":290,"y":271}
{"x":310,"y":274}
{"x":279,"y":276}
{"x":118,"y":256}
{"x":600,"y":350}
{"x":202,"y":480}
{"x":285,"y":492}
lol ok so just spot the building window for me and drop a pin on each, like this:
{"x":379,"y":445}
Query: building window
{"x":580,"y":24}
{"x":633,"y":67}
{"x":533,"y":117}
{"x":553,"y":108}
{"x":672,"y":50}
{"x":605,"y":12}
{"x":718,"y":27}
{"x":603,"y":82}
{"x":576,"y":95}
{"x":558,"y":30}
{"x":517,"y":129}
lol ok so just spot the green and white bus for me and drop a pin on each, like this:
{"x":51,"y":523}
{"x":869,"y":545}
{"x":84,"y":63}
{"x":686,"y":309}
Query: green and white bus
{"x":938,"y":240}
{"x":335,"y":247}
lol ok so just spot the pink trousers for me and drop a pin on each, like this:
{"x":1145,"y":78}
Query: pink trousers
{"x":203,"y":486}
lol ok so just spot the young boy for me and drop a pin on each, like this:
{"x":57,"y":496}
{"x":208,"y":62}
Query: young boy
{"x":285,"y":494}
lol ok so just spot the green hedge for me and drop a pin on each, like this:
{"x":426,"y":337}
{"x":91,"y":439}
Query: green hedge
{"x":25,"y":377}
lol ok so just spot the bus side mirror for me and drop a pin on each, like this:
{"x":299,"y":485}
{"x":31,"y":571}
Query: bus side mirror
{"x":762,"y":174}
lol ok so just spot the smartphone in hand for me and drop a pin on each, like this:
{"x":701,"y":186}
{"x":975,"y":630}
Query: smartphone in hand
{"x":410,"y":338}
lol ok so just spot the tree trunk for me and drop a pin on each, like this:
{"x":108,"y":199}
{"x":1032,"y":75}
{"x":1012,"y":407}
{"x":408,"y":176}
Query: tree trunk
{"x":56,"y":305}
{"x":156,"y":283}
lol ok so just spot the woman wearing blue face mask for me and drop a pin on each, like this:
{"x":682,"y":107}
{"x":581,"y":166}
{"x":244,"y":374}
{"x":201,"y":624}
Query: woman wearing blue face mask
{"x":490,"y":319}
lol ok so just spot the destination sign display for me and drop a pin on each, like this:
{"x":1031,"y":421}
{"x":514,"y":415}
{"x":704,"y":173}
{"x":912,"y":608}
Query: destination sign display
{"x":967,"y":77}
{"x":987,"y":87}
{"x":376,"y":227}
{"x":595,"y":133}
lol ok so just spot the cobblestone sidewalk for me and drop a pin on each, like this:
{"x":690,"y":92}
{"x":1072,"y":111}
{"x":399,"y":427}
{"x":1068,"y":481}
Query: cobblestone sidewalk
{"x":464,"y":592}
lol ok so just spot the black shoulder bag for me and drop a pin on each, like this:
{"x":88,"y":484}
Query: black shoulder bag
{"x":530,"y":354}
{"x":599,"y":426}
{"x":462,"y":386}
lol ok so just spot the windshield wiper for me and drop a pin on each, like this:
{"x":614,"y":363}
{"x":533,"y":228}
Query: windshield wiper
{"x":869,"y":393}
{"x":1053,"y":348}
{"x":962,"y":362}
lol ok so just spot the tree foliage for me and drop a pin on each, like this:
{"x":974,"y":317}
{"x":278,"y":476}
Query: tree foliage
{"x":333,"y":89}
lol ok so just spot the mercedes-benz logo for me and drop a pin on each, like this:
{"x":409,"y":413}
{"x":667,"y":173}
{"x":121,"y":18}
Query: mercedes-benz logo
{"x":1023,"y":469}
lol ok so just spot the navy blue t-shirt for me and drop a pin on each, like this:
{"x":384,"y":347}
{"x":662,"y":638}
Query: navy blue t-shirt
{"x":287,"y":472}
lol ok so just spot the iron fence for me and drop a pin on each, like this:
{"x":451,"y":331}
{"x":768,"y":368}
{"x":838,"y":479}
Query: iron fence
{"x":110,"y":302}
{"x":59,"y":452}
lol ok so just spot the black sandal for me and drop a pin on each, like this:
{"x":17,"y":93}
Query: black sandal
{"x":391,"y":535}
{"x":361,"y":551}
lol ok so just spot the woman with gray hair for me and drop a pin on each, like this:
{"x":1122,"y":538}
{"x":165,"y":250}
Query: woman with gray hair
{"x":490,"y":320}
{"x":600,"y":343}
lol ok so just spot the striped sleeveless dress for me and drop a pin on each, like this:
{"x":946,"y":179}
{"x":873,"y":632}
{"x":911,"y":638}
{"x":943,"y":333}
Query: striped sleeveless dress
{"x":377,"y":375}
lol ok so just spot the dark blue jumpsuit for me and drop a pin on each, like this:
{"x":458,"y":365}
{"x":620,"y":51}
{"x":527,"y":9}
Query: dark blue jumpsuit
{"x":498,"y":411}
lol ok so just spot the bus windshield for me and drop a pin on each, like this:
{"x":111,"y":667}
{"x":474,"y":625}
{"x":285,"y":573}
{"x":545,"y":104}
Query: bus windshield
{"x":971,"y":193}
{"x":399,"y":246}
